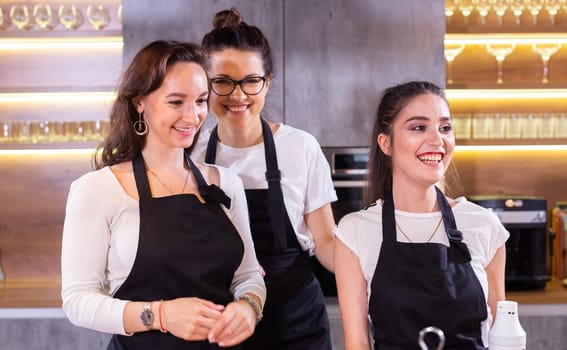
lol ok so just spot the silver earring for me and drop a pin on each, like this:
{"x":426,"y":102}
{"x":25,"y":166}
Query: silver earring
{"x":140,"y":126}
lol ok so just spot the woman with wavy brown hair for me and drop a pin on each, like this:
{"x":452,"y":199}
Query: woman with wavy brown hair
{"x":157,"y":249}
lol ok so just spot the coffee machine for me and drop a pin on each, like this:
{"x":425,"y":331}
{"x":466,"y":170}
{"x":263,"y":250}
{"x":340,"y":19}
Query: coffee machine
{"x":526,"y":249}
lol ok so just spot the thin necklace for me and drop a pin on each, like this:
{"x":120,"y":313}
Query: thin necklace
{"x":167,"y":187}
{"x":430,"y":237}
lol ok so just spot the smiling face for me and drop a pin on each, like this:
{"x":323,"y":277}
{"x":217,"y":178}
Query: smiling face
{"x":237,"y":109}
{"x":176,"y":110}
{"x":421,"y":142}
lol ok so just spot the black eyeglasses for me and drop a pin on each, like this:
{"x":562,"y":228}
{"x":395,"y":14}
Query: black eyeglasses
{"x":225,"y":86}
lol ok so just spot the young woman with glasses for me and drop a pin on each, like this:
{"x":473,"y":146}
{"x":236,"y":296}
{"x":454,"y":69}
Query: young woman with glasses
{"x":287,"y":182}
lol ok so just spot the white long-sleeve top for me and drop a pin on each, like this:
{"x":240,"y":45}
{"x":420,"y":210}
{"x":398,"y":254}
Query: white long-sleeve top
{"x":100,"y":241}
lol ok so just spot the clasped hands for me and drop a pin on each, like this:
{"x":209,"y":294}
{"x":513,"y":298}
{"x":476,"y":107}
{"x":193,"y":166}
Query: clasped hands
{"x":199,"y":319}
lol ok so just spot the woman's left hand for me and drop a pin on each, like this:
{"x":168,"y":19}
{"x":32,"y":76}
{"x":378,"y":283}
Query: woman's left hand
{"x":236,"y":323}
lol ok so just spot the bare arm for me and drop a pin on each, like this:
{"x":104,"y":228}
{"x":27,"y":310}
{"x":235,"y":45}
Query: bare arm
{"x":321,"y":224}
{"x":351,"y":287}
{"x":495,"y":273}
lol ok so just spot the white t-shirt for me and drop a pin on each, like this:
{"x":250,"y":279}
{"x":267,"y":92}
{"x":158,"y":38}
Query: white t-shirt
{"x":100,"y":241}
{"x":306,"y":177}
{"x":482,"y":232}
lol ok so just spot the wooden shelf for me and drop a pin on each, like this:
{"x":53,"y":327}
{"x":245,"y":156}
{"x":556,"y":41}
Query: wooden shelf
{"x":510,"y":142}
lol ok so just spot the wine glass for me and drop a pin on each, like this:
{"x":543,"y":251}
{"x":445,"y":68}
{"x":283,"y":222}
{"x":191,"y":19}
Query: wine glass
{"x":482,"y":7}
{"x":517,"y":7}
{"x":43,"y":16}
{"x":451,"y":52}
{"x":69,"y":16}
{"x":119,"y":13}
{"x":2,"y":24}
{"x":500,"y":51}
{"x":534,"y":6}
{"x":466,"y":7}
{"x":98,"y":16}
{"x":545,"y":51}
{"x":450,"y":6}
{"x":20,"y":16}
{"x":500,"y":7}
{"x":552,"y":8}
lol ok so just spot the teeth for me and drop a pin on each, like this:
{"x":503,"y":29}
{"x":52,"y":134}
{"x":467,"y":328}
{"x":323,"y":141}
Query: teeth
{"x":237,"y":108}
{"x":188,"y":129}
{"x":430,"y":157}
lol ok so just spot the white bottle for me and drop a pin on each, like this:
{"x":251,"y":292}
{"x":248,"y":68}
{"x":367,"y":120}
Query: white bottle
{"x":507,"y":332}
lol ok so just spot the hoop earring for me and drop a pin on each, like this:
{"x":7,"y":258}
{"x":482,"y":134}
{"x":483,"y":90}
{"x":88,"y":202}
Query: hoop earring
{"x":140,"y":126}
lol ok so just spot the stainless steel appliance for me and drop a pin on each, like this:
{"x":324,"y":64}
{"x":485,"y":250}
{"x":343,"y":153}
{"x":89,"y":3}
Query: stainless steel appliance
{"x":526,"y":249}
{"x":348,"y":169}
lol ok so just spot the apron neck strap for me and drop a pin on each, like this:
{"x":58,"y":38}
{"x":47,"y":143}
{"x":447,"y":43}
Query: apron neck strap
{"x":141,"y":177}
{"x":389,"y":219}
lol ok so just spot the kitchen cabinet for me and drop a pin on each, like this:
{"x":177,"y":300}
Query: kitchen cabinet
{"x":189,"y":20}
{"x":60,"y":65}
{"x":333,"y":57}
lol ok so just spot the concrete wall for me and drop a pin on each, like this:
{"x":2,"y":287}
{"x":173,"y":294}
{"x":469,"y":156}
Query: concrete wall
{"x":333,"y":57}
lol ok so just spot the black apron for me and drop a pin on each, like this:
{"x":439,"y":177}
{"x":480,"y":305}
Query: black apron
{"x":416,"y":285}
{"x":295,"y":316}
{"x":185,"y":249}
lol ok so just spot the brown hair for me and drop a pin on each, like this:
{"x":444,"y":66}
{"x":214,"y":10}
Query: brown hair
{"x":231,"y":32}
{"x":392,"y":101}
{"x":144,"y":75}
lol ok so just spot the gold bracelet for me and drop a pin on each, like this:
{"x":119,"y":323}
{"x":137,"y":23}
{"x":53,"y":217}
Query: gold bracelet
{"x":252,"y":302}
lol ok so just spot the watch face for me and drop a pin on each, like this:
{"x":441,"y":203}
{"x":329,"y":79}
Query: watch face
{"x":147,"y":317}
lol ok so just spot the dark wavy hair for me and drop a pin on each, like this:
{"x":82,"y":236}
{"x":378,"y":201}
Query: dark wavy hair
{"x":144,"y":75}
{"x":231,"y":32}
{"x":392,"y":101}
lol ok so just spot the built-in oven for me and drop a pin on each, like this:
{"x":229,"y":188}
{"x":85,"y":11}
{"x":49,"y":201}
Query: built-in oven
{"x":348,"y":171}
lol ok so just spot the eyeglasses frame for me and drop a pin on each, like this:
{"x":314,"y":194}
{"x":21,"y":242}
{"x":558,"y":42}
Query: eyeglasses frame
{"x":238,"y":83}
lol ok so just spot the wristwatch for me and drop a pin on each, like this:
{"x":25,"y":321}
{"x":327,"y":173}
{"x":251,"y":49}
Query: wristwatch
{"x":147,"y":316}
{"x":254,"y":304}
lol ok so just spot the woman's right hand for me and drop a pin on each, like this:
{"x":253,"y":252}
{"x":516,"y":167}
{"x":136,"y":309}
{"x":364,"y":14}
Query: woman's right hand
{"x":189,"y":318}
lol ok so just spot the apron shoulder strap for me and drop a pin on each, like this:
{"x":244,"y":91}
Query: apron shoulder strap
{"x":211,"y":193}
{"x":388,"y":218}
{"x":276,"y":206}
{"x":211,"y":154}
{"x":141,"y":177}
{"x":448,"y":217}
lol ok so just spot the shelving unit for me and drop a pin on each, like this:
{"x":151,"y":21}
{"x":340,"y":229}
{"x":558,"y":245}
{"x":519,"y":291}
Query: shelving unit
{"x":63,"y":73}
{"x":474,"y":89}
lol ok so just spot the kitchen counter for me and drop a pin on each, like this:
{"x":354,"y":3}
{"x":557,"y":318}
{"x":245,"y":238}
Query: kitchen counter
{"x":45,"y":293}
{"x":33,"y":306}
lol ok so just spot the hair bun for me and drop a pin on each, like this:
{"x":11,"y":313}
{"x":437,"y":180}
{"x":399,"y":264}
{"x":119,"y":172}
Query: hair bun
{"x":227,"y":18}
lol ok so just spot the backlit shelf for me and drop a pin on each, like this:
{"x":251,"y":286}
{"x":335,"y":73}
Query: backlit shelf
{"x":505,"y":38}
{"x":38,"y":43}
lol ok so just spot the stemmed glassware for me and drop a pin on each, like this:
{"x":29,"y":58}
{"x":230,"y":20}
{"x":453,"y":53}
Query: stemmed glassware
{"x":43,"y":16}
{"x":466,"y":7}
{"x":20,"y":16}
{"x":69,"y":16}
{"x":482,"y":7}
{"x":545,"y":51}
{"x":517,"y":7}
{"x":534,"y":6}
{"x":2,"y":25}
{"x":552,"y":8}
{"x":500,"y":52}
{"x":451,"y":52}
{"x":119,"y":13}
{"x":500,"y":7}
{"x":98,"y":16}
{"x":450,"y":6}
